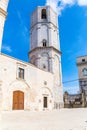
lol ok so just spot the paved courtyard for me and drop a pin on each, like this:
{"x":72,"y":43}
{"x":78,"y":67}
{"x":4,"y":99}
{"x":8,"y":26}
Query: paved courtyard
{"x":62,"y":119}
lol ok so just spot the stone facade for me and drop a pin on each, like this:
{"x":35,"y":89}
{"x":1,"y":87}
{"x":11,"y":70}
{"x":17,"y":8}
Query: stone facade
{"x":82,"y":73}
{"x":44,"y":28}
{"x":45,"y":47}
{"x":75,"y":100}
{"x":3,"y":13}
{"x":36,"y":85}
{"x":79,"y":100}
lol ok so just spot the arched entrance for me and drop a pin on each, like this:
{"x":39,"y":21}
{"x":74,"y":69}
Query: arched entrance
{"x":18,"y":100}
{"x":45,"y":99}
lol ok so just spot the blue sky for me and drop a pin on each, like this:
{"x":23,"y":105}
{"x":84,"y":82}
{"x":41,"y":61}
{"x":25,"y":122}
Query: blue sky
{"x":72,"y":27}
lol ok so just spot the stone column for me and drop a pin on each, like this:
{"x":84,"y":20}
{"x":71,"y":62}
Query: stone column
{"x":3,"y":15}
{"x":83,"y":99}
{"x":0,"y":104}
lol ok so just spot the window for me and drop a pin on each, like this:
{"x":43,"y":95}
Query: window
{"x":83,"y":60}
{"x":44,"y":43}
{"x":43,"y":14}
{"x":21,"y":73}
{"x":44,"y":67}
{"x":84,"y":72}
{"x":45,"y":82}
{"x":45,"y":102}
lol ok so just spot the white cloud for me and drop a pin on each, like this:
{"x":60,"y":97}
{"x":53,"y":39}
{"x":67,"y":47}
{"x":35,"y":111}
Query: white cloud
{"x":6,"y":48}
{"x":67,"y":1}
{"x":53,"y":4}
{"x":59,"y":5}
{"x":82,"y":2}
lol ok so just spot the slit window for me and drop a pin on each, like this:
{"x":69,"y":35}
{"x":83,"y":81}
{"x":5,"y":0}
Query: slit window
{"x":43,"y":14}
{"x":45,"y":102}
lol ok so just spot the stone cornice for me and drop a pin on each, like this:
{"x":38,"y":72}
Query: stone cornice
{"x":45,"y":48}
{"x":44,"y":22}
{"x":81,"y":63}
{"x":83,"y":79}
{"x":3,"y":12}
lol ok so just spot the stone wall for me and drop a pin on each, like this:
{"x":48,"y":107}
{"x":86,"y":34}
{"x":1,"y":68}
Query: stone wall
{"x":3,"y":13}
{"x":35,"y":85}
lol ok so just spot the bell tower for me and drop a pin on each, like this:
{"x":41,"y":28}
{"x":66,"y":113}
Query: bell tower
{"x":44,"y":38}
{"x":45,"y":47}
{"x":3,"y":14}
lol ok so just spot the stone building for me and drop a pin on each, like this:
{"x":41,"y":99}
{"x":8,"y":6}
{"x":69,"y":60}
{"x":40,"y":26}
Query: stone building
{"x":82,"y":73}
{"x":81,"y":98}
{"x":36,"y":85}
{"x":74,"y":100}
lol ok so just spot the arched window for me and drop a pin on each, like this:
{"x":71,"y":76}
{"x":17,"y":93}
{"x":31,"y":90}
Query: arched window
{"x":84,"y":72}
{"x":43,"y":14}
{"x":44,"y":43}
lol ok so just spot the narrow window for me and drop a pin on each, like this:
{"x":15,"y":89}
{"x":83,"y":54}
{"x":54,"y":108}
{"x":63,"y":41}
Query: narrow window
{"x":44,"y":43}
{"x":45,"y":102}
{"x":84,"y":72}
{"x":21,"y":73}
{"x":44,"y":67}
{"x":43,"y":14}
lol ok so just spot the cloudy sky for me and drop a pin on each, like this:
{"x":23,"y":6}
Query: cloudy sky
{"x":72,"y":17}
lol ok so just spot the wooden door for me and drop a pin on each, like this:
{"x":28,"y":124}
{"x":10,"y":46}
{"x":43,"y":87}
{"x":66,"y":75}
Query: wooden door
{"x":18,"y":100}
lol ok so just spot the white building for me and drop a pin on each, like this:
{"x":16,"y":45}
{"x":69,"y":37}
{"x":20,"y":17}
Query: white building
{"x":36,"y":85}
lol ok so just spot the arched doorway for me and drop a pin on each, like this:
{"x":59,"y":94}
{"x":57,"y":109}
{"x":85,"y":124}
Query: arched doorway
{"x":18,"y":100}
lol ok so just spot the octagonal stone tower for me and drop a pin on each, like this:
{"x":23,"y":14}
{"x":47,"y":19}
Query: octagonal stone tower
{"x":3,"y":14}
{"x":45,"y":47}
